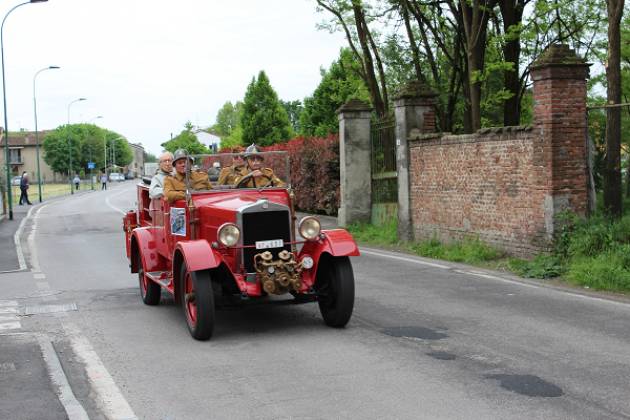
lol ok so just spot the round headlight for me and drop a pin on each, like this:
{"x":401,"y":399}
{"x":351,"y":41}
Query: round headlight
{"x":228,"y":234}
{"x":309,"y":227}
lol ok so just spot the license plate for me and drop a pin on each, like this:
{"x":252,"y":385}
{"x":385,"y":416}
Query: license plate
{"x":274,"y":243}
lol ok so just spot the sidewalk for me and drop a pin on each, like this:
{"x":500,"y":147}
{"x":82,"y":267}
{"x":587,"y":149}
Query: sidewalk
{"x":8,"y":254}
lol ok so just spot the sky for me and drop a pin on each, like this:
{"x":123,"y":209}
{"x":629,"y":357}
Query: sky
{"x":147,"y":67}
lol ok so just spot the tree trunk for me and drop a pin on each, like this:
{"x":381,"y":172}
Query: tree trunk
{"x":475,"y":21}
{"x":612,"y":187}
{"x":380,"y":107}
{"x":512,"y":13}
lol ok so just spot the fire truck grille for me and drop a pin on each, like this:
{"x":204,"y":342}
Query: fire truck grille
{"x":264,"y":226}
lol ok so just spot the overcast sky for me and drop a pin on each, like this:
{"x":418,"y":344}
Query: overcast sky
{"x":149,"y":66}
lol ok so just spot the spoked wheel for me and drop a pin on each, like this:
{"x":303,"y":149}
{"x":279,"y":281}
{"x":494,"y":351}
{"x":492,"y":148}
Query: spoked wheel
{"x":335,"y":286}
{"x":149,"y":290}
{"x":198,"y":302}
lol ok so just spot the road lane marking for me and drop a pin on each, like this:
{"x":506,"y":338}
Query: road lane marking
{"x":31,"y":245}
{"x":9,"y":322}
{"x":110,"y":399}
{"x":111,"y":206}
{"x":491,"y":277}
{"x":395,"y":257}
{"x":73,"y":408}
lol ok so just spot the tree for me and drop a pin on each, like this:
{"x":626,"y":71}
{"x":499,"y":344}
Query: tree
{"x":227,"y":119}
{"x":351,"y":16}
{"x":83,"y":143}
{"x":339,"y":83}
{"x":612,"y":187}
{"x":294,"y":110}
{"x":264,"y":120}
{"x":186,"y":139}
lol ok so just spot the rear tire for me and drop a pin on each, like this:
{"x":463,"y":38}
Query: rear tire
{"x":198,"y":302}
{"x":335,"y":285}
{"x":150,"y":292}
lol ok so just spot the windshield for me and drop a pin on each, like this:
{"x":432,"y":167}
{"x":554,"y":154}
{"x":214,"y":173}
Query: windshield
{"x":231,"y":170}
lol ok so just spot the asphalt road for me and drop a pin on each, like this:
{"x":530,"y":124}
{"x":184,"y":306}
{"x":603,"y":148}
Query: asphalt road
{"x":428,"y":340}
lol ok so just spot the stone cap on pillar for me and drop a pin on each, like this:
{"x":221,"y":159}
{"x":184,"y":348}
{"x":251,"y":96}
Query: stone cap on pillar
{"x":415,"y":92}
{"x":355,"y":105}
{"x":355,"y":109}
{"x":559,"y":61}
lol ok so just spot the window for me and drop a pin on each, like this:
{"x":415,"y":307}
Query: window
{"x":15,"y":156}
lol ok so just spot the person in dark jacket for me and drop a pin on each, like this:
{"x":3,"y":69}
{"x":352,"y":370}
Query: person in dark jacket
{"x":24,"y":189}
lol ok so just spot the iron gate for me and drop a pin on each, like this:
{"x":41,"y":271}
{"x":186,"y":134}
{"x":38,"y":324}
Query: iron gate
{"x":384,"y":170}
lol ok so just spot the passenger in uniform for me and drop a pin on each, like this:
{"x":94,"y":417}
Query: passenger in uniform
{"x":257,"y":176}
{"x":156,"y":190}
{"x":230,"y":173}
{"x":175,"y":185}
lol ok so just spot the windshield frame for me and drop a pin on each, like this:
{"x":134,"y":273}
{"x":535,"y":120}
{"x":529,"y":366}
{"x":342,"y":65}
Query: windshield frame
{"x":203,"y":163}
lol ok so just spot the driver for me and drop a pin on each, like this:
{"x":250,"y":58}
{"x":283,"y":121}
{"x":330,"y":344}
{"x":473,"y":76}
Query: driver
{"x":175,"y":185}
{"x":237,"y":169}
{"x":257,"y":176}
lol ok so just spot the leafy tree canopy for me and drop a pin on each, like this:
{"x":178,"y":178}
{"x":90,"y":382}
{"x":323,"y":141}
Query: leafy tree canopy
{"x":82,"y":143}
{"x":186,"y":140}
{"x":228,"y":118}
{"x":339,"y":83}
{"x":264,"y":119}
{"x":294,"y":110}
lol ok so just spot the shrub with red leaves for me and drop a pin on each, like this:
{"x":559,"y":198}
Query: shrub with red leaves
{"x":314,"y":172}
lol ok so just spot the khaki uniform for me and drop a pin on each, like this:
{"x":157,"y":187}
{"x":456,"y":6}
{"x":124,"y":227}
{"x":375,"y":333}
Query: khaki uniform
{"x":269,"y":180}
{"x":229,"y":174}
{"x":175,"y":185}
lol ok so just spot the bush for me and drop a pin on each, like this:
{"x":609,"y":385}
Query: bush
{"x":607,"y":271}
{"x":542,"y":267}
{"x":314,"y":172}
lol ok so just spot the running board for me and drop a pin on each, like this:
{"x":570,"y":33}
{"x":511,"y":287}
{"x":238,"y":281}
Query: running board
{"x":163,"y":278}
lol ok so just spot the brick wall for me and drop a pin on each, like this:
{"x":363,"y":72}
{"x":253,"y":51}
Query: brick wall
{"x":481,"y":185}
{"x":507,"y":186}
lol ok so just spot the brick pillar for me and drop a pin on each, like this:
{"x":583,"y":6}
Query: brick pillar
{"x":414,"y":107}
{"x":354,"y":162}
{"x":559,"y":77}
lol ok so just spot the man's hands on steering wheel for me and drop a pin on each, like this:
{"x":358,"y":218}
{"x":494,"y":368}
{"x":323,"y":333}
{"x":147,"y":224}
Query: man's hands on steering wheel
{"x":253,"y":174}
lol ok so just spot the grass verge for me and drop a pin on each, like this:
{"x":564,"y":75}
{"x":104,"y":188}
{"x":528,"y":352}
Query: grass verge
{"x":593,"y":253}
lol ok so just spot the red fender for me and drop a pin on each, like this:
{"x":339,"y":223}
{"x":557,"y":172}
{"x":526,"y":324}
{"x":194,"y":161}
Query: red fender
{"x":336,"y":242}
{"x":142,"y":240}
{"x":199,"y":255}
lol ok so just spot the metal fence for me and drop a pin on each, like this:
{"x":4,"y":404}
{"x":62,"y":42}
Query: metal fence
{"x":384,"y":174}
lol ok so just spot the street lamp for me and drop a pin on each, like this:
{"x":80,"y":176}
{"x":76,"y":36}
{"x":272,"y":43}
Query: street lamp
{"x":4,"y":97}
{"x":70,"y":144}
{"x":90,"y":163}
{"x":39,"y":178}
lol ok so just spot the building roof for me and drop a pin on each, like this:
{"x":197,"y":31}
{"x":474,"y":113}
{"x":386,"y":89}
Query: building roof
{"x":25,"y":138}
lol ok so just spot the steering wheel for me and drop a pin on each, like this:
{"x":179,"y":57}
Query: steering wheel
{"x":247,"y":177}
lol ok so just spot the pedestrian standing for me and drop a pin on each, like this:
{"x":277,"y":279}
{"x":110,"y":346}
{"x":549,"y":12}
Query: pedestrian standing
{"x":24,"y":189}
{"x":104,"y":181}
{"x":77,"y":181}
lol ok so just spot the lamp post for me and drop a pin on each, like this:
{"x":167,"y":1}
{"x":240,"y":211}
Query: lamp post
{"x":70,"y":144}
{"x":39,"y":178}
{"x":92,"y":163}
{"x":4,"y":98}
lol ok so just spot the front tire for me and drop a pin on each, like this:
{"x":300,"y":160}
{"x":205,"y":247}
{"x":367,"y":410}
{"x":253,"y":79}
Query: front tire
{"x":150,"y":292}
{"x":197,"y":302}
{"x":335,"y":286}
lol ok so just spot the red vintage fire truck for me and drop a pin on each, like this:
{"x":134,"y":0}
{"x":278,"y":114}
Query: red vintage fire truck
{"x":237,"y":245}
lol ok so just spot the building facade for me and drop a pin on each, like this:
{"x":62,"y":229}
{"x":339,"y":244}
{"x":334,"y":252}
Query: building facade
{"x":23,"y":157}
